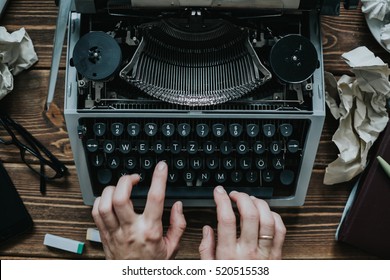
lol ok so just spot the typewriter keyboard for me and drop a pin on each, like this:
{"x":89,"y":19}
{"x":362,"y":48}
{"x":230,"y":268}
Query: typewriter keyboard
{"x":261,"y":157}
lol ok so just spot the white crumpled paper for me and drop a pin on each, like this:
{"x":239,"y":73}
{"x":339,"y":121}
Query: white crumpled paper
{"x":360,"y":105}
{"x":385,"y":36}
{"x":375,"y":8}
{"x":16,"y":54}
{"x":379,"y":10}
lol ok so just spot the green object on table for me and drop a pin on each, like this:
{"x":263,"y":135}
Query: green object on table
{"x":385,"y":165}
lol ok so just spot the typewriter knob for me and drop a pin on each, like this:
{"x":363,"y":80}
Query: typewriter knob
{"x":81,"y":131}
{"x":293,"y":59}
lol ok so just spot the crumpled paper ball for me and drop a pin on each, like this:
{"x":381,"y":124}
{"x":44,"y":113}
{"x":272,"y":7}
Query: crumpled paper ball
{"x":359,"y":103}
{"x":375,"y":8}
{"x":16,"y":54}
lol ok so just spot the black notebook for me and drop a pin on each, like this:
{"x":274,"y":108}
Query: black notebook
{"x":366,"y":218}
{"x":14,"y":218}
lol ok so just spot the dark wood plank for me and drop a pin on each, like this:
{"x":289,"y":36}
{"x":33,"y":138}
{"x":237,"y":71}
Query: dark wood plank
{"x":344,"y":33}
{"x":39,"y":20}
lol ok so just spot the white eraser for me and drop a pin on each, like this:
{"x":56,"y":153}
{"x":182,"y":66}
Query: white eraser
{"x":63,"y":243}
{"x":93,"y":235}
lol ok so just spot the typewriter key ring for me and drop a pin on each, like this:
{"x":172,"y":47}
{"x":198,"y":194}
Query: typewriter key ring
{"x":294,"y":59}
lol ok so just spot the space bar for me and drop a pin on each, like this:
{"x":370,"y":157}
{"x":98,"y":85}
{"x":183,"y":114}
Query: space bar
{"x":203,"y":192}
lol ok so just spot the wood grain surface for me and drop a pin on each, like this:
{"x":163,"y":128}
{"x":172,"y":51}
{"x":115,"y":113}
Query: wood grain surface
{"x":310,"y":228}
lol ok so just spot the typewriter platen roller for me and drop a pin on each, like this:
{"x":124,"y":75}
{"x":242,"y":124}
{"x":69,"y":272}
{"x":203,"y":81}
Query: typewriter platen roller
{"x":226,"y":92}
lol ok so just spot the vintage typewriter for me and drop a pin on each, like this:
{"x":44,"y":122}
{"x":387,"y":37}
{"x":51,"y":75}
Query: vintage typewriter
{"x":226,"y":92}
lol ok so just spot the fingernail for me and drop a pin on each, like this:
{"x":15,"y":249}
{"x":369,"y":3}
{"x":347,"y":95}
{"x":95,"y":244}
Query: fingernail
{"x":161,"y":165}
{"x":179,"y":207}
{"x":220,"y":189}
{"x":205,"y":231}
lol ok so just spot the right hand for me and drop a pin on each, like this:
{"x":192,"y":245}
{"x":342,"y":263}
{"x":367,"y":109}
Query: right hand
{"x":262,"y":231}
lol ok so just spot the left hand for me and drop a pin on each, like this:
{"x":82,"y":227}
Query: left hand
{"x":128,"y":235}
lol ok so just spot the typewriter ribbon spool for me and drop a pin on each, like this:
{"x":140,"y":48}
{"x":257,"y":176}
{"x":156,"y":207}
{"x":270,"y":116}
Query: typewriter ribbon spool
{"x":293,"y":59}
{"x":97,"y":56}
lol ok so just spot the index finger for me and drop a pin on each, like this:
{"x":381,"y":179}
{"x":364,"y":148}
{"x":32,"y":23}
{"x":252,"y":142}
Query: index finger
{"x":227,"y":228}
{"x":155,"y":202}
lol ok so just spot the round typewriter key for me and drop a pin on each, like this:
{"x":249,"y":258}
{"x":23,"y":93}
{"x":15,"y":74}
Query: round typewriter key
{"x":124,"y":146}
{"x":226,"y":147}
{"x":99,"y":129}
{"x":192,"y":147}
{"x":258,"y":147}
{"x":286,"y":129}
{"x":286,"y":177}
{"x":278,"y":162}
{"x":175,"y":147}
{"x":117,"y":129}
{"x":184,"y":129}
{"x":133,"y":129}
{"x":276,"y":147}
{"x":159,"y":147}
{"x":109,"y":146}
{"x":113,"y":162}
{"x":252,"y":130}
{"x":268,"y":176}
{"x":242,"y":147}
{"x":245,"y":163}
{"x":251,"y":176}
{"x":168,"y":129}
{"x":235,"y":129}
{"x":150,"y":129}
{"x":97,"y":160}
{"x":236,"y":176}
{"x":204,"y":176}
{"x":202,"y":130}
{"x":212,"y":163}
{"x":104,"y":176}
{"x":293,"y":58}
{"x":218,"y":130}
{"x":269,"y":130}
{"x":189,"y":176}
{"x":261,"y":163}
{"x":92,"y":145}
{"x":143,"y":147}
{"x":172,"y":176}
{"x":97,"y":56}
{"x":130,"y":162}
{"x":293,"y":146}
{"x":220,"y":177}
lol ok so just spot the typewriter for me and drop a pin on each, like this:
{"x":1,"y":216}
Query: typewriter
{"x":226,"y":92}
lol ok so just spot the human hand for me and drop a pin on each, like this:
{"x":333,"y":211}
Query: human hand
{"x":128,"y":235}
{"x":262,"y":231}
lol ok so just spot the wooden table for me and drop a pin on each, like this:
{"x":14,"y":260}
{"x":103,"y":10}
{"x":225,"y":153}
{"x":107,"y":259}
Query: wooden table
{"x":310,"y":228}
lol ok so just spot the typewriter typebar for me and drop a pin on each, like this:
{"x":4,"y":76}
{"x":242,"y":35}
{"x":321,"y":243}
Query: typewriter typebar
{"x":228,"y":93}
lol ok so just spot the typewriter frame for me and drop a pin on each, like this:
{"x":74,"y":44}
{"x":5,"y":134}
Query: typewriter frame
{"x":316,"y":117}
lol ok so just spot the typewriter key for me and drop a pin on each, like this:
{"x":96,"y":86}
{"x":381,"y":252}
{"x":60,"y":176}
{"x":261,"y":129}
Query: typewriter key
{"x":97,"y":56}
{"x":293,"y":59}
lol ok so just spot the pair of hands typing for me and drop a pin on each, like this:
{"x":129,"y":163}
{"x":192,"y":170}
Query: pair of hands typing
{"x":128,"y":235}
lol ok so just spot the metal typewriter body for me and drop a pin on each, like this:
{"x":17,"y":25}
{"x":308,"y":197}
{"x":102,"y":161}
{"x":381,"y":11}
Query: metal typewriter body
{"x":258,"y":134}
